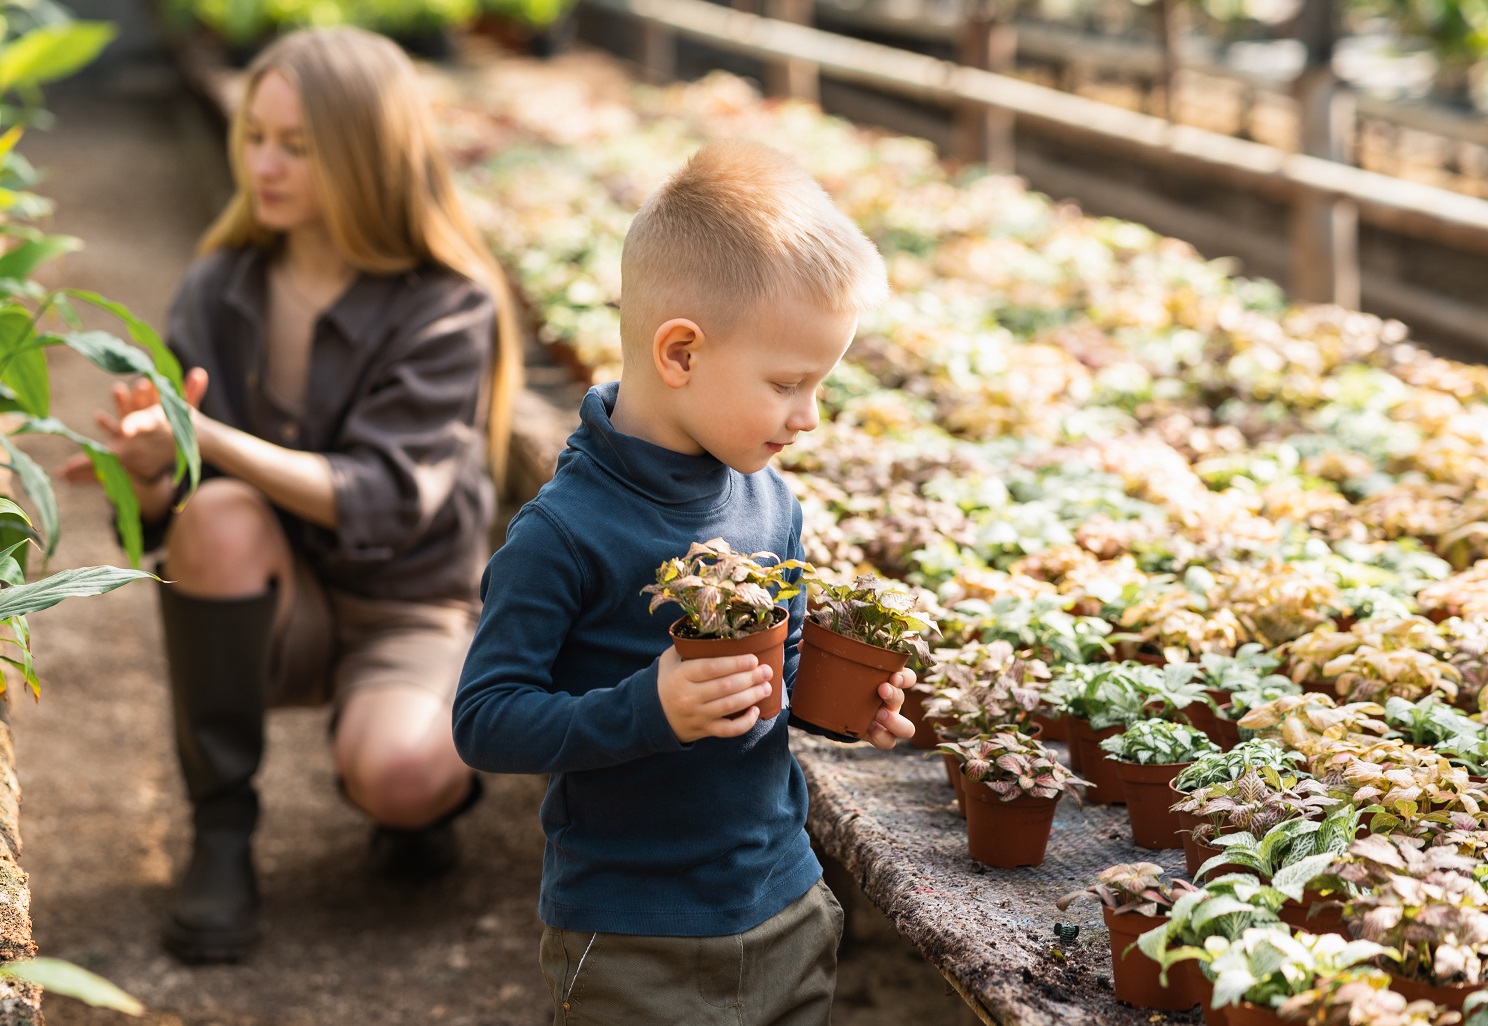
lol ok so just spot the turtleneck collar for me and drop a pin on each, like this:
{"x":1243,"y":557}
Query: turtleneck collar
{"x":663,"y":475}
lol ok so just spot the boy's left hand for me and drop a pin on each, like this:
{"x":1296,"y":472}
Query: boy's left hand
{"x":888,"y":727}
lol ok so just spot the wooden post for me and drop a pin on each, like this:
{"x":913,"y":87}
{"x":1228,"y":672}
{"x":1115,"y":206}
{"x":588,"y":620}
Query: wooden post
{"x":1325,"y":230}
{"x":658,"y":57}
{"x":791,"y":78}
{"x":984,"y":134}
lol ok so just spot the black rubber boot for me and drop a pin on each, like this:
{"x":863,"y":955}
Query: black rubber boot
{"x":425,"y":853}
{"x":218,"y":650}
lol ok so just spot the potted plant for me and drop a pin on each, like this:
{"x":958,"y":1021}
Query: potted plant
{"x":1252,"y":803}
{"x":1224,"y":908}
{"x":1221,"y":768}
{"x":1257,"y":972}
{"x":1134,"y":898}
{"x":856,"y":636}
{"x":1304,"y":722}
{"x":1424,"y":903}
{"x":1012,"y":785}
{"x":1361,"y":995}
{"x":1228,"y":714}
{"x":729,"y":607}
{"x":1149,"y":754}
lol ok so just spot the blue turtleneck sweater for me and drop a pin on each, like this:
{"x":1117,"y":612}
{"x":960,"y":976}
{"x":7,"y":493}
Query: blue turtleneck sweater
{"x":645,"y":835}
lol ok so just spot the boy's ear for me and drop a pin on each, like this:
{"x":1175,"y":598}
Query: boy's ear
{"x":673,"y":349}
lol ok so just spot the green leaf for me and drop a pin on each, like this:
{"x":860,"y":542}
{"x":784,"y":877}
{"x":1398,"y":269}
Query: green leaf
{"x":142,"y":334}
{"x":114,"y":478}
{"x":59,"y":977}
{"x":1293,"y":880}
{"x":20,"y":262}
{"x":24,"y":362}
{"x":52,"y":52}
{"x":38,"y":486}
{"x":21,"y":632}
{"x":117,"y":357}
{"x":76,"y":583}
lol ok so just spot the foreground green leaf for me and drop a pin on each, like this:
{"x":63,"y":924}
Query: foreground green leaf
{"x":59,"y":977}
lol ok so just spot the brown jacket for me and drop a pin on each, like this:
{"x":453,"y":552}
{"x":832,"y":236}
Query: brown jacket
{"x":395,"y":401}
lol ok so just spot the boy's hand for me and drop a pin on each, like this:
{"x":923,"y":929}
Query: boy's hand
{"x":888,"y":727}
{"x":700,"y":695}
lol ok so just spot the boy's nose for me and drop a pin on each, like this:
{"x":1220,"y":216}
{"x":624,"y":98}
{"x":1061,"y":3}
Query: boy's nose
{"x":804,"y":417}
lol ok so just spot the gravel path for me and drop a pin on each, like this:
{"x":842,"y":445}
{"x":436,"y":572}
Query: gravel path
{"x":135,"y":173}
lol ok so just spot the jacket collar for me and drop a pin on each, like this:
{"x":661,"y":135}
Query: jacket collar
{"x":664,"y":476}
{"x":354,"y":313}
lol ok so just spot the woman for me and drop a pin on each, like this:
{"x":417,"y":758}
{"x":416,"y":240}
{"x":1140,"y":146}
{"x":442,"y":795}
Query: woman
{"x":337,"y":329}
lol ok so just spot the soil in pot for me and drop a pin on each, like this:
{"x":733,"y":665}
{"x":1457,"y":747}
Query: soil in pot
{"x":1136,"y":977}
{"x":767,"y":645}
{"x":1007,"y":834}
{"x":837,"y":680}
{"x":1149,"y":795}
{"x":1418,"y":990}
{"x":1105,"y":785}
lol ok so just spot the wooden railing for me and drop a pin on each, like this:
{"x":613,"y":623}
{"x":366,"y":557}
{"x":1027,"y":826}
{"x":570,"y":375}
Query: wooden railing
{"x":1328,"y":199}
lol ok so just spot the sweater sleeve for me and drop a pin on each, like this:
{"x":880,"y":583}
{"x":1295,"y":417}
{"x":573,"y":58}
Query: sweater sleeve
{"x":509,"y":714}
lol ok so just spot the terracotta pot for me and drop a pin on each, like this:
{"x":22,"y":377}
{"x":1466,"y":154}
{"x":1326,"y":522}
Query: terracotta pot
{"x":837,"y":680}
{"x":1328,"y":917}
{"x":1227,"y":731}
{"x":914,"y":711}
{"x":1247,"y":1014}
{"x":1135,"y":976}
{"x":1054,"y":727}
{"x":1201,"y":717}
{"x":1149,"y":792}
{"x":1417,"y":990}
{"x":1203,"y":853}
{"x":957,"y":781}
{"x":767,"y":645}
{"x":1204,"y":987}
{"x":1007,"y":834}
{"x":1186,"y":822}
{"x":1105,"y":784}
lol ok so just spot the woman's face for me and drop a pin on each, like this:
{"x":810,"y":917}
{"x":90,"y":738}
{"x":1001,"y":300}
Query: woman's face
{"x":276,"y":157}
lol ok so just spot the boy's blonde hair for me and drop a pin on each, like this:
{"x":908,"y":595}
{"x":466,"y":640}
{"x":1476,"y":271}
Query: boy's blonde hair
{"x":382,"y":182}
{"x":740,"y":226}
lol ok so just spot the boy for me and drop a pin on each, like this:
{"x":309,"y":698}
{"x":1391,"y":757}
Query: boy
{"x":679,"y":886}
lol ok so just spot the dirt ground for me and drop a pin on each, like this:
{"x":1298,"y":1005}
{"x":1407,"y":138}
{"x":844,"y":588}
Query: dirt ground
{"x":136,"y":173}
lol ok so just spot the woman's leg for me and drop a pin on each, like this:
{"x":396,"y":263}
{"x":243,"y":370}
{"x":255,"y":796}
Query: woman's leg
{"x":229,"y":565}
{"x":395,"y":752}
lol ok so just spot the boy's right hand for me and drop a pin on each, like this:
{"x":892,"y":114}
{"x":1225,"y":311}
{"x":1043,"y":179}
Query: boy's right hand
{"x":701,"y":697}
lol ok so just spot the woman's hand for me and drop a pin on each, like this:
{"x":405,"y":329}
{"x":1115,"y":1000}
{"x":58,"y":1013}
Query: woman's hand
{"x":138,"y":432}
{"x":888,"y":726}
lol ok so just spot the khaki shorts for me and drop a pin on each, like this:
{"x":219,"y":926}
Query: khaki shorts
{"x":333,"y":644}
{"x":780,"y":973}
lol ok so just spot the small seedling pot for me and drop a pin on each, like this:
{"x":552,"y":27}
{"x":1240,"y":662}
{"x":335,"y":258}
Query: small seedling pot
{"x":837,"y":680}
{"x":1327,"y":919}
{"x":1094,"y":766}
{"x":1135,"y":977}
{"x":957,"y":780}
{"x":1007,"y":834}
{"x":914,"y":712}
{"x":1149,"y":792}
{"x":1186,"y":822}
{"x":1227,"y":731}
{"x":1055,"y":727}
{"x":767,"y":645}
{"x":1419,"y":990}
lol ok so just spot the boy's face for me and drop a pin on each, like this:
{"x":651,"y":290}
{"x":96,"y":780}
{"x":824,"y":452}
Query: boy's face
{"x":752,"y":391}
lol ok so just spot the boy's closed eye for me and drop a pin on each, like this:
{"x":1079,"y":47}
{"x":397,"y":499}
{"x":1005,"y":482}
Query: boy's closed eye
{"x":785,"y":389}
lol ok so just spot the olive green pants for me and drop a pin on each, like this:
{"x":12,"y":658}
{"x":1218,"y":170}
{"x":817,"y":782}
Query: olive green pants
{"x":780,"y":973}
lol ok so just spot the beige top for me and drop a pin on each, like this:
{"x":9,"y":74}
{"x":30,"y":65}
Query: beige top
{"x":288,"y":329}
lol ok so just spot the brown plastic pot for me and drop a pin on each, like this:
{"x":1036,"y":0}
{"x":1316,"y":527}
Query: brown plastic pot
{"x":1137,"y":979}
{"x":914,"y":711}
{"x":1204,"y":987}
{"x":837,"y":680}
{"x":1055,"y":727}
{"x":1417,"y":990}
{"x":957,"y":780}
{"x":1227,"y":731}
{"x":1149,"y":793}
{"x":1105,"y":784}
{"x":1247,"y":1014}
{"x":1186,"y":822}
{"x":767,"y":645}
{"x":1203,"y":853}
{"x":1319,"y":687}
{"x":1328,"y":917}
{"x":1007,"y":834}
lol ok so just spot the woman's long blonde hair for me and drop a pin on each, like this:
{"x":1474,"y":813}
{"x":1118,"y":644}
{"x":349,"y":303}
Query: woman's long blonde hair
{"x":383,"y":184}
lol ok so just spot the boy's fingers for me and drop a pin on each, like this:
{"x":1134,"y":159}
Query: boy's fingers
{"x":733,"y":727}
{"x":736,"y":701}
{"x":700,"y":670}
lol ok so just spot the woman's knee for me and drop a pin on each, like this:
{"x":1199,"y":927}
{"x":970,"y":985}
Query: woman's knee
{"x":405,"y":786}
{"x":227,"y":530}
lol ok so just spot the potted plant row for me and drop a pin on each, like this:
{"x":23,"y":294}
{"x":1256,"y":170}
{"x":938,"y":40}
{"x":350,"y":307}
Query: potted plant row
{"x":1148,"y":756}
